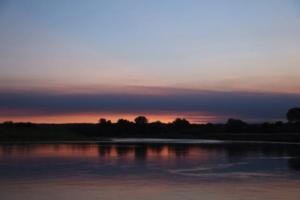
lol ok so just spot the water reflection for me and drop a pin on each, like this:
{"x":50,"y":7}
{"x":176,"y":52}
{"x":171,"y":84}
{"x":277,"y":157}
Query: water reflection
{"x":232,"y":150}
{"x":160,"y":154}
{"x":150,"y":170}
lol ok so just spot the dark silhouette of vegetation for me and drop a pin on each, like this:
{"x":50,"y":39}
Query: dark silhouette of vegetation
{"x":123,"y":122}
{"x":233,"y":129}
{"x":104,"y":122}
{"x":236,"y":126}
{"x":141,"y":120}
{"x":180,"y":123}
{"x":293,"y":115}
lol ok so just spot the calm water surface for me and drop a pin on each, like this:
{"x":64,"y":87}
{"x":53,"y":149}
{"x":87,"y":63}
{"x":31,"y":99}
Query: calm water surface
{"x":150,"y":169}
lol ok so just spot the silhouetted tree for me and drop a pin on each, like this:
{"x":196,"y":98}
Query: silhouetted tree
{"x":278,"y":123}
{"x":180,"y":123}
{"x":103,"y":121}
{"x":235,"y":125}
{"x":141,"y":128}
{"x":8,"y":123}
{"x":123,"y":122}
{"x":157,"y":123}
{"x":293,"y":115}
{"x":141,"y":120}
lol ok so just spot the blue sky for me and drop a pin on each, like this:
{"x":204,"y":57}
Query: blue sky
{"x":113,"y":46}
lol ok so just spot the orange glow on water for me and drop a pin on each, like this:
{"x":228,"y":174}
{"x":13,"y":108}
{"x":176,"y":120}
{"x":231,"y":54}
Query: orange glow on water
{"x":108,"y":152}
{"x":59,"y":150}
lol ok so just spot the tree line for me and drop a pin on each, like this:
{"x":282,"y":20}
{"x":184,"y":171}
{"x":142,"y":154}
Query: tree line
{"x":233,"y":129}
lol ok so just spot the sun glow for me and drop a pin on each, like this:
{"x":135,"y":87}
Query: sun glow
{"x":114,"y":117}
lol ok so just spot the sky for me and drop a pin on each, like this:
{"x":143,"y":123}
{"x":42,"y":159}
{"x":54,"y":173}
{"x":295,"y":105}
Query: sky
{"x":206,"y":60}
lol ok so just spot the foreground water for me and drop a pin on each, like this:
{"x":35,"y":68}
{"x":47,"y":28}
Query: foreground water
{"x":150,"y":169}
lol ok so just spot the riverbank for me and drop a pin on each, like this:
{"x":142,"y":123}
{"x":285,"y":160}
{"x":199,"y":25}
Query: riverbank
{"x":20,"y":132}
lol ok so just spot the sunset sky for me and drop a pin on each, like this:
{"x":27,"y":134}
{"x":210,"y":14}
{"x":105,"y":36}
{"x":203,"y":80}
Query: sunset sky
{"x":206,"y":60}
